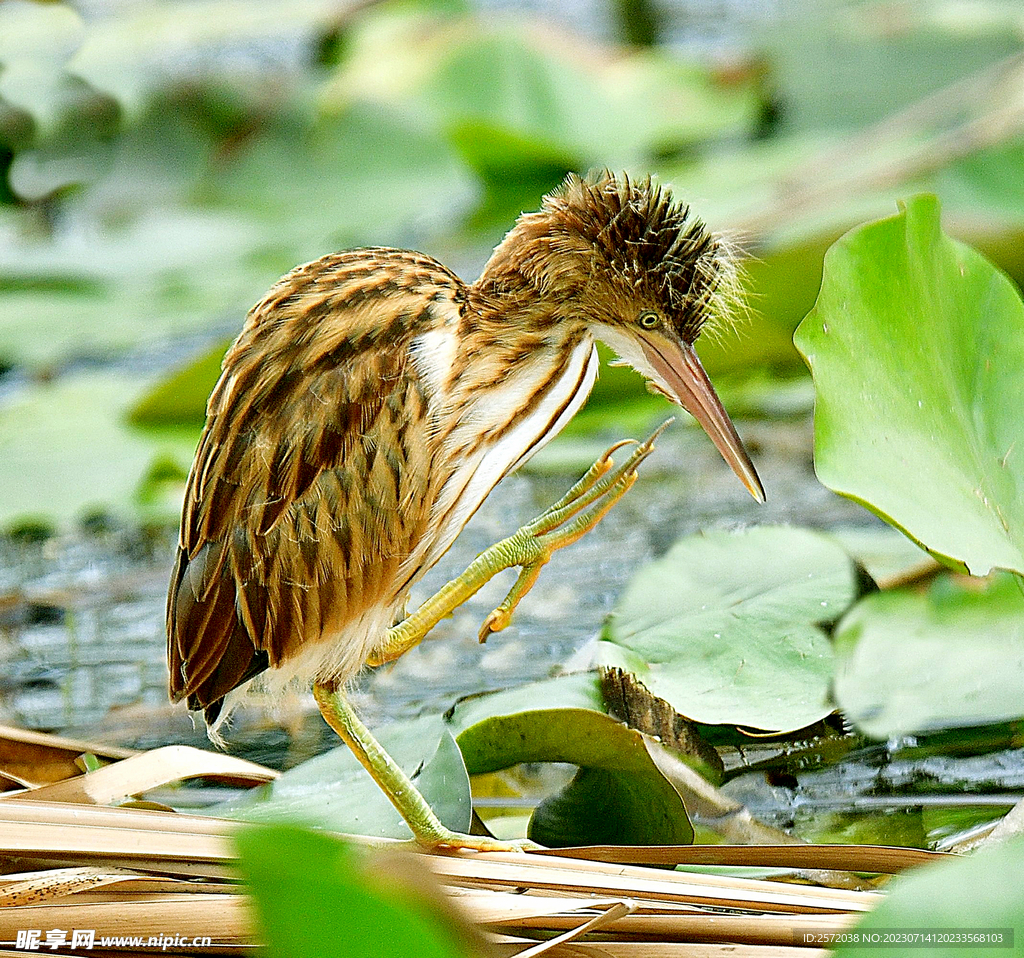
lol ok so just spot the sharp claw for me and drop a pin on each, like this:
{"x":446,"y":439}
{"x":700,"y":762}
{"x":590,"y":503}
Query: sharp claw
{"x":649,"y":442}
{"x":643,"y":449}
{"x":606,"y":456}
{"x":495,"y":622}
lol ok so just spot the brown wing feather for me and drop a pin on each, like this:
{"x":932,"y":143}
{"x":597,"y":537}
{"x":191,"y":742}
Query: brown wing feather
{"x":297,"y":512}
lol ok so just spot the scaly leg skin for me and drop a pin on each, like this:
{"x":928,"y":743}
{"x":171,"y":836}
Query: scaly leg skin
{"x":419,"y":816}
{"x":529,"y":548}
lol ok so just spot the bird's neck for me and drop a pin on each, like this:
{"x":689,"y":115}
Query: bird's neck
{"x":514,"y":334}
{"x":502,"y":383}
{"x":527,"y":372}
{"x":503,"y":355}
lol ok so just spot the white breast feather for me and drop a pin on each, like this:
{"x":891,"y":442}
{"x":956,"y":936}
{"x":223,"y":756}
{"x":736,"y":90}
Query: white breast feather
{"x":433,"y":354}
{"x":475,"y":478}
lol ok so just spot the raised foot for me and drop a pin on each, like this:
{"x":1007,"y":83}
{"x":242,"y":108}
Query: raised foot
{"x":578,"y":511}
{"x":567,"y":521}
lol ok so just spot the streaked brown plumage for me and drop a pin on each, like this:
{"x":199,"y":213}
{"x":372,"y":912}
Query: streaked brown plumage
{"x":373,"y":400}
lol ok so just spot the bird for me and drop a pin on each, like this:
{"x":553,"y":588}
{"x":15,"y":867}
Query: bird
{"x":369,"y":406}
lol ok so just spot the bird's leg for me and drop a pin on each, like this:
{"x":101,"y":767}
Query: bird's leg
{"x":529,"y":548}
{"x":547,"y":544}
{"x":419,"y":816}
{"x":549,"y":531}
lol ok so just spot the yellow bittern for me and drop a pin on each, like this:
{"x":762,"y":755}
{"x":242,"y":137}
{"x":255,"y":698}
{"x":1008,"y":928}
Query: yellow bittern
{"x":371,"y":403}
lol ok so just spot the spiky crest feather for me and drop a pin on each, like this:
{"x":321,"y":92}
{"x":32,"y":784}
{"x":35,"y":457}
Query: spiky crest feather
{"x":627,"y":234}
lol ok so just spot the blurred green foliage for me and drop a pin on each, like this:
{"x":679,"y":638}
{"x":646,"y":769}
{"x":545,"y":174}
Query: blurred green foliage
{"x":978,"y":895}
{"x":318,"y":897}
{"x":908,"y":662}
{"x":161,"y":170}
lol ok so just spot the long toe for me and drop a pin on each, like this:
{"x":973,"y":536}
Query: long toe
{"x":477,"y":843}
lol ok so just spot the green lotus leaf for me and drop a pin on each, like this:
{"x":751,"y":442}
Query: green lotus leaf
{"x":316,"y":897}
{"x":334,"y":791}
{"x":978,"y":894}
{"x":908,"y":662}
{"x":726,"y":626}
{"x":618,"y":796}
{"x":916,"y":345}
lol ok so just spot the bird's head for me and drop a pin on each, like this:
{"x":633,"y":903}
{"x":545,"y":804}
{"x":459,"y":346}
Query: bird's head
{"x":628,"y":262}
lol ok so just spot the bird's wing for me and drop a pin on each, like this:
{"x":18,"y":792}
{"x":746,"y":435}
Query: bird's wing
{"x":312,"y":478}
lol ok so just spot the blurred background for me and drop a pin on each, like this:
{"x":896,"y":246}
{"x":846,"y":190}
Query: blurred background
{"x":162,"y":163}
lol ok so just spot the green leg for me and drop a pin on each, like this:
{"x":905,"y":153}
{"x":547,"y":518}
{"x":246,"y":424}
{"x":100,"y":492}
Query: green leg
{"x":529,"y":548}
{"x":426,"y":827}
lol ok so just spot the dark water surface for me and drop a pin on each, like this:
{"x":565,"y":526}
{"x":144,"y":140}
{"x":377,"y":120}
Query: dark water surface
{"x":82,"y":615}
{"x":82,"y":636}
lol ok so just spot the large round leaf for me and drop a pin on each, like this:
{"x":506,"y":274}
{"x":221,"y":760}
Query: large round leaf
{"x":725,"y":626}
{"x":334,"y":791}
{"x":619,"y":795}
{"x":916,"y":345}
{"x":65,"y":451}
{"x":602,"y":807}
{"x":954,"y":657}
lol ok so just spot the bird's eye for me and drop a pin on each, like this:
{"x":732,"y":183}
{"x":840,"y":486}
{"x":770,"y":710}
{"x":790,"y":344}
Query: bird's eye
{"x":648,"y":319}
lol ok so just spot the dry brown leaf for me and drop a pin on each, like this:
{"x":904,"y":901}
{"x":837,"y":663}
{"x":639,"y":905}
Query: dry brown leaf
{"x":887,"y":859}
{"x":140,"y":773}
{"x":645,"y":912}
{"x":489,"y":907}
{"x":1010,"y":825}
{"x":224,"y":918}
{"x":618,"y":910}
{"x":575,"y":876}
{"x":33,"y":888}
{"x":704,"y":926}
{"x":161,"y":842}
{"x":68,"y":813}
{"x":658,"y":949}
{"x":37,"y":758}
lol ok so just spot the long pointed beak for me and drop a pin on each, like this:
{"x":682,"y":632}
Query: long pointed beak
{"x":685,"y":382}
